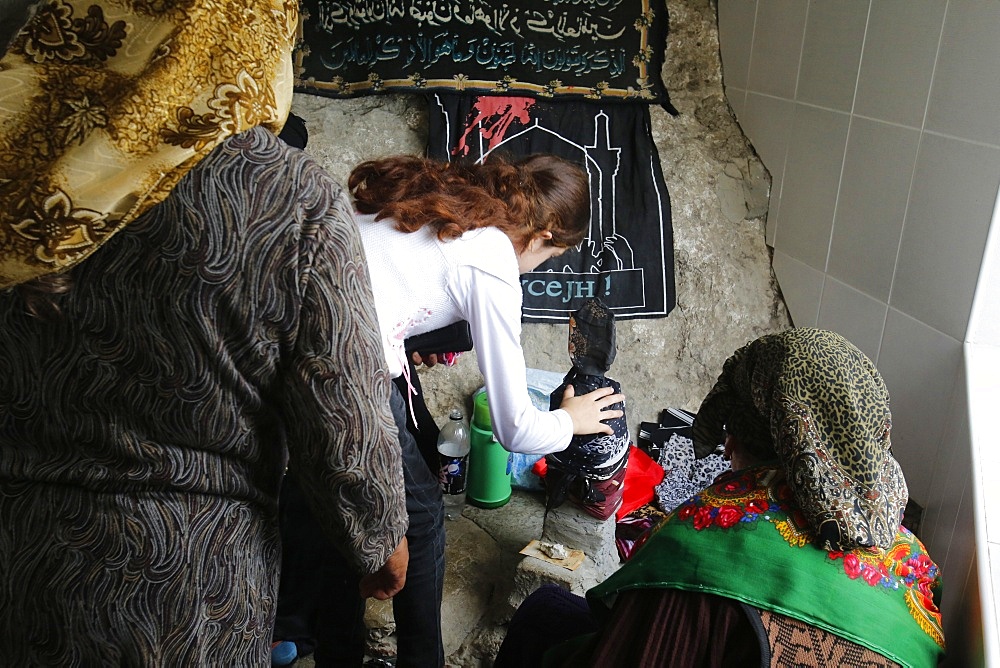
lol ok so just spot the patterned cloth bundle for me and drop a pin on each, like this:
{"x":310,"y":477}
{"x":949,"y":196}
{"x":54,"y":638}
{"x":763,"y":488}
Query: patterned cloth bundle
{"x":670,"y":444}
{"x":591,"y":470}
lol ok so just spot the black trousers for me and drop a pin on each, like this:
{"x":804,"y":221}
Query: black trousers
{"x":319,"y":607}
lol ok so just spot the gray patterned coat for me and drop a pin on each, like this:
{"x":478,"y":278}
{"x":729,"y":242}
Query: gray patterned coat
{"x":143,"y":435}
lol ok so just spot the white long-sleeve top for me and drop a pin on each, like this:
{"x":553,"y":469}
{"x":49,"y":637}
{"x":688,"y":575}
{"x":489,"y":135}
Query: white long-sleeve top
{"x":421,"y":283}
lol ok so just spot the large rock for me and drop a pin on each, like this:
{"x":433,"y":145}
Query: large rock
{"x":726,"y":292}
{"x":473,"y":572}
{"x":570,"y":526}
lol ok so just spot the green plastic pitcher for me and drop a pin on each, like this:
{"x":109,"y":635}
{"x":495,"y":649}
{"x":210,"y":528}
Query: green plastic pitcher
{"x":489,"y":463}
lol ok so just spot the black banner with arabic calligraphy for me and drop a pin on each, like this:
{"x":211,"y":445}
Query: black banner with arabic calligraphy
{"x":609,"y":50}
{"x":627,"y":258}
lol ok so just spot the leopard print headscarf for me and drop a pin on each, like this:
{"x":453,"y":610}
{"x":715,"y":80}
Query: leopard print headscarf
{"x":106,"y":104}
{"x":812,"y":400}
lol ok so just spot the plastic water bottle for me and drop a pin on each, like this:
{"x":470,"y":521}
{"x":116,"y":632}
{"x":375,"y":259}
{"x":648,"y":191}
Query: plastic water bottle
{"x":453,"y":458}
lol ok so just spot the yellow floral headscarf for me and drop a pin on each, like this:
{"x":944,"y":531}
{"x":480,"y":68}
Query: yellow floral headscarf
{"x":105,"y":105}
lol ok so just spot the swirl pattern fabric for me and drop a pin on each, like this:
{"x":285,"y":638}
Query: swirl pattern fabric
{"x":143,"y":435}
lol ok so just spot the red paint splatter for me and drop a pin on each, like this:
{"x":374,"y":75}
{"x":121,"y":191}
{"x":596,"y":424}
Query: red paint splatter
{"x":493,"y":116}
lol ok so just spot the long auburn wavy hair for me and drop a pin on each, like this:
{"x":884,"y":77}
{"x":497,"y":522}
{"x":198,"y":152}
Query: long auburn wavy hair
{"x":539,"y":193}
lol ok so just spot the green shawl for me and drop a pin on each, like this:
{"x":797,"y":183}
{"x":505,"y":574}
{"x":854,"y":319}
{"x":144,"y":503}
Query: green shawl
{"x":744,"y":538}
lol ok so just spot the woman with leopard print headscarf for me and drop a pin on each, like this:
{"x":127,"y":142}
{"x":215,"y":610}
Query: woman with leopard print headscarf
{"x":796,"y":556}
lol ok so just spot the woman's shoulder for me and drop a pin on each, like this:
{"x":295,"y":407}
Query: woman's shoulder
{"x":486,"y":235}
{"x":487,"y":249}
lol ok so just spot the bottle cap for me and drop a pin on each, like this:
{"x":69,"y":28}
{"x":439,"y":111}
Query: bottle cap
{"x":481,"y":412}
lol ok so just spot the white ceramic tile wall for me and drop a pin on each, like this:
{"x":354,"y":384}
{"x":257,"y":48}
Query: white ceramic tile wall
{"x":944,"y":236}
{"x":802,"y":288}
{"x":736,"y":21}
{"x":773,"y":211}
{"x":765,"y":121}
{"x":949,"y":526}
{"x":984,"y":324}
{"x":816,"y":146}
{"x":985,"y":378}
{"x":777,"y":32}
{"x":855,"y":315}
{"x":831,"y":53}
{"x":961,"y":616}
{"x":877,"y":121}
{"x":992,"y":656}
{"x":966,"y":89}
{"x":954,"y":469}
{"x":878,"y":168}
{"x":920,"y":366}
{"x":983,"y":372}
{"x":737,"y":101}
{"x":900,"y":46}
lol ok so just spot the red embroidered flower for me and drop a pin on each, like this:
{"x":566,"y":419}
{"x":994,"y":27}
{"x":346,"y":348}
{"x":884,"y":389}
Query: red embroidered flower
{"x":728,"y":516}
{"x":703,"y":518}
{"x":686,"y":511}
{"x":730,"y":485}
{"x":756,"y":506}
{"x":871,"y":575}
{"x":852,"y":566}
{"x":921,"y":565}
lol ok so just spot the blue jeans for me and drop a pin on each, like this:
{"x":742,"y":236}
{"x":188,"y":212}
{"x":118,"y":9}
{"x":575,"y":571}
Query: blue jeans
{"x":318,"y":602}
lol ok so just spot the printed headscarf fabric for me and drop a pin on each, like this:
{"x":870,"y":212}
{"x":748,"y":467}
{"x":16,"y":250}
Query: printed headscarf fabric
{"x":592,"y":338}
{"x":811,"y":399}
{"x":143,"y":434}
{"x":591,"y":470}
{"x":106,"y":104}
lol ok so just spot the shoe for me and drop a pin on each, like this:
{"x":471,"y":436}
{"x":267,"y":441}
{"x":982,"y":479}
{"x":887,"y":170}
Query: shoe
{"x":283,"y":653}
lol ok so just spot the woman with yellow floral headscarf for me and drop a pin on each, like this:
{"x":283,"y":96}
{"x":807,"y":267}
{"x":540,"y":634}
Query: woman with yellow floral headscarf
{"x":176,"y":290}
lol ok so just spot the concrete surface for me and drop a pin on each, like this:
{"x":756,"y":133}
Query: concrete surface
{"x":486,"y":577}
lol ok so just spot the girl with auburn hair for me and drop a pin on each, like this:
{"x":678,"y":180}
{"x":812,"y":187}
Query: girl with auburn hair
{"x":539,"y":193}
{"x":447,"y":242}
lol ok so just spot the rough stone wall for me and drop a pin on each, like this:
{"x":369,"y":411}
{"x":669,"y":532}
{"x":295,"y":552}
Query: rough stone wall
{"x":726,"y":292}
